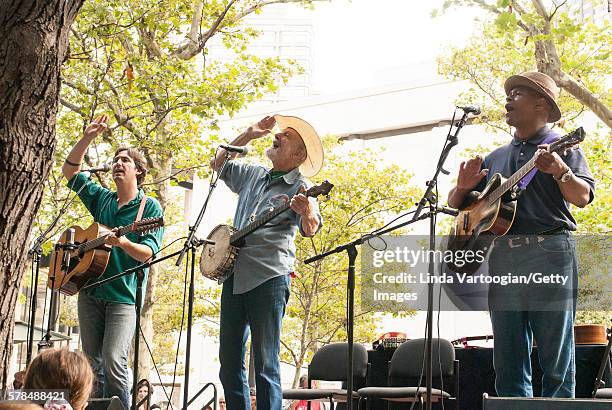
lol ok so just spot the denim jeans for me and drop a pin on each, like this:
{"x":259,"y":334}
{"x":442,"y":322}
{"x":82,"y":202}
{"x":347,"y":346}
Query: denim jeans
{"x":262,"y":310}
{"x":543,"y":312}
{"x":107,"y":330}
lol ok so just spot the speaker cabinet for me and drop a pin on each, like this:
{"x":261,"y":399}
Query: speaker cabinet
{"x":539,"y":403}
{"x":105,"y":404}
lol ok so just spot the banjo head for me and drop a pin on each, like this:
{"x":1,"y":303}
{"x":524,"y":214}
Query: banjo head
{"x":217,"y":258}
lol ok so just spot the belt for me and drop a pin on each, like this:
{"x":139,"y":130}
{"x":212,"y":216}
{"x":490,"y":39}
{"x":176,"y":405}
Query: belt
{"x":527,"y":239}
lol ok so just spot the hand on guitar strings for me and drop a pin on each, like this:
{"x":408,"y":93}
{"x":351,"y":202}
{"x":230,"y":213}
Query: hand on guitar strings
{"x":115,"y":240}
{"x":550,"y":162}
{"x":470,"y":173}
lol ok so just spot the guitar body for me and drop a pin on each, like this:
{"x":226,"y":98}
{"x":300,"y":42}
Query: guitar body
{"x":218,"y":258}
{"x":479,"y":222}
{"x":491,"y":213}
{"x":83,"y":267}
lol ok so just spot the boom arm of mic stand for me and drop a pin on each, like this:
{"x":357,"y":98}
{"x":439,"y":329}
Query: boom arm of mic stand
{"x":126,"y":272}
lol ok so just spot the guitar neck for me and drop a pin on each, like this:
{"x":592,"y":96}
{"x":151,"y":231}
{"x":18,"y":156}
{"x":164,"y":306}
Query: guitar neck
{"x":258,"y":223}
{"x":99,"y":241}
{"x":512,"y":181}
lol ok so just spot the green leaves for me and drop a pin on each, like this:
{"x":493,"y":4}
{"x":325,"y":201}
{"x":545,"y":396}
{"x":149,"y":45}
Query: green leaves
{"x":365,"y":195}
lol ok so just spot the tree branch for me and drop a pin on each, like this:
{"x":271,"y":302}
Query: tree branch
{"x":190,"y":49}
{"x":73,"y":107}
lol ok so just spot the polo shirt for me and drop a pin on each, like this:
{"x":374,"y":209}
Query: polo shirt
{"x":269,"y":251}
{"x":541,"y":206}
{"x":103,"y":206}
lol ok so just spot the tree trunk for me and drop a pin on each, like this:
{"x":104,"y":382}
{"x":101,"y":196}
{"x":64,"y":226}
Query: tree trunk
{"x":145,"y":364}
{"x":33,"y":45}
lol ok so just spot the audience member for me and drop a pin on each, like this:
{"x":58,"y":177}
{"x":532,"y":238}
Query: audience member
{"x":303,"y":404}
{"x":62,"y":369}
{"x":145,"y":389}
{"x":253,"y":397}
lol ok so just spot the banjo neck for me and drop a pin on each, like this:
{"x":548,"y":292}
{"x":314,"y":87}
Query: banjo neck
{"x":236,"y":238}
{"x":256,"y":224}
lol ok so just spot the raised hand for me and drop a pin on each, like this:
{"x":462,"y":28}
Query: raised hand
{"x":97,"y":127}
{"x":470,"y":174}
{"x":263,"y":127}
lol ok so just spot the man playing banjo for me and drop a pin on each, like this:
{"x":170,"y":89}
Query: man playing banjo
{"x":256,"y":291}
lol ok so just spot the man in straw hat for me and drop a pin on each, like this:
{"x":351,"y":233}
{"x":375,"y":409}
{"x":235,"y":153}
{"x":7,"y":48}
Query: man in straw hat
{"x":541,"y":312}
{"x":257,"y":290}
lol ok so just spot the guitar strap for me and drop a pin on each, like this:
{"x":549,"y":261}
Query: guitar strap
{"x":522,"y":184}
{"x":143,"y":202}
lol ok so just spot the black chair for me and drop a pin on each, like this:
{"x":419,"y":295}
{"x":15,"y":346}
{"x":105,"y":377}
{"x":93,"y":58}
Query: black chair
{"x":329,"y":363}
{"x":605,"y":393}
{"x":405,"y":369}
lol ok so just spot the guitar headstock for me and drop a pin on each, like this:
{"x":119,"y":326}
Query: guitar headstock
{"x":567,"y":141}
{"x":143,"y":226}
{"x":322,"y":189}
{"x":149,"y":225}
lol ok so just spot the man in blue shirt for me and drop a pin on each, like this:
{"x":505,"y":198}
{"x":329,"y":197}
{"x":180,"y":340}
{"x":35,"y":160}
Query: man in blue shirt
{"x":256,"y":292}
{"x":545,"y":313}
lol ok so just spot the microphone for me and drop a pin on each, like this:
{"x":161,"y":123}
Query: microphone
{"x":474,"y":109}
{"x":233,"y":148}
{"x":68,"y":246}
{"x":99,"y":168}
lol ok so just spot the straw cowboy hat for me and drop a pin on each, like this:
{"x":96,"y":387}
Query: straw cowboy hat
{"x":314,"y":150}
{"x":541,"y":83}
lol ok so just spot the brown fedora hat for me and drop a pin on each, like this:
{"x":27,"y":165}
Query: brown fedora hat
{"x":541,"y":83}
{"x":314,"y":149}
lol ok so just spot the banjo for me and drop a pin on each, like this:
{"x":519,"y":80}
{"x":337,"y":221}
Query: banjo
{"x":219,"y":255}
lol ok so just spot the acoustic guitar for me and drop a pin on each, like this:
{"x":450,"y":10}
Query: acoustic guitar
{"x":490,"y":213}
{"x":90,"y":255}
{"x":218,"y":256}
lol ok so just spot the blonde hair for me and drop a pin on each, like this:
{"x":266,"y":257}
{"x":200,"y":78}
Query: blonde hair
{"x":63,"y":370}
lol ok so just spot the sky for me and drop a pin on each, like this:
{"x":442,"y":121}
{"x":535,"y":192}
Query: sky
{"x":366,"y":43}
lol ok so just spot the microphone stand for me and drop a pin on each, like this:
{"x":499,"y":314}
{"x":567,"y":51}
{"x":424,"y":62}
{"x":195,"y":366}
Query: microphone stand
{"x":35,"y":252}
{"x":351,"y":247}
{"x":139,"y":271}
{"x":189,"y":244}
{"x":429,"y":197}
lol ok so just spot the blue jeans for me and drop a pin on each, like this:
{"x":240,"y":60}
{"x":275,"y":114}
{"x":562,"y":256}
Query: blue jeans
{"x":107,"y":330}
{"x":262,"y":310}
{"x":543,"y":312}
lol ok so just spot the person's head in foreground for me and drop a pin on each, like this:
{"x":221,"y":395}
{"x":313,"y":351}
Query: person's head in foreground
{"x":62,"y":369}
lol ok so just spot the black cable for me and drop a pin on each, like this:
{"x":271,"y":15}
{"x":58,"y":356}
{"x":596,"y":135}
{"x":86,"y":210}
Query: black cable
{"x":178,"y":344}
{"x":63,"y":208}
{"x":446,"y":142}
{"x":145,"y":340}
{"x":420,"y":382}
{"x":155,"y":366}
{"x":393,"y":220}
{"x":435,"y":218}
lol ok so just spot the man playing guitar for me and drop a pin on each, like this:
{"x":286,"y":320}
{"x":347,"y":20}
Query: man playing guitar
{"x":539,"y":239}
{"x":256,"y":291}
{"x":107,"y":317}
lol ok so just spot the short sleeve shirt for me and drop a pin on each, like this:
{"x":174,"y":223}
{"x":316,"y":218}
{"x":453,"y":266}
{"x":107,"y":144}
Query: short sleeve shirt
{"x":541,"y":206}
{"x":103,"y":206}
{"x":269,"y":251}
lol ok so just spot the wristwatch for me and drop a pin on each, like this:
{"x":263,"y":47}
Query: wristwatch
{"x":564,"y":177}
